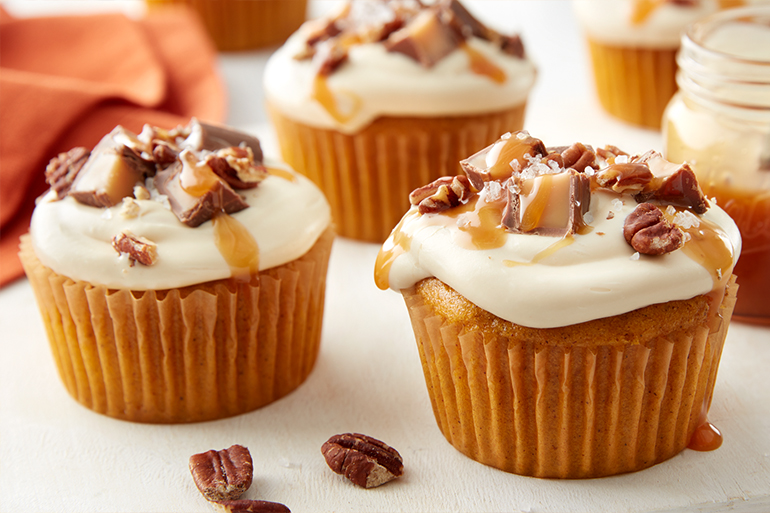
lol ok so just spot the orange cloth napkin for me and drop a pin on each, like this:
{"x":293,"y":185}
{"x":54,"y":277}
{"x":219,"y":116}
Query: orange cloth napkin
{"x":67,"y":81}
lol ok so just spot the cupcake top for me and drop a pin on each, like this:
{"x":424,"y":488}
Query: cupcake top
{"x":548,"y":237}
{"x":645,"y":23}
{"x":377,"y":58}
{"x":166,"y":209}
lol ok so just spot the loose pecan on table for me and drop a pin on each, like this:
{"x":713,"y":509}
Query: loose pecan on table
{"x":222,"y":475}
{"x":648,"y":232}
{"x":365,"y":461}
{"x":252,"y":506}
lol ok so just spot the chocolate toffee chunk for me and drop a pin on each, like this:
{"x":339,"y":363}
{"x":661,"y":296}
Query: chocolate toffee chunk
{"x":550,"y":204}
{"x":427,"y":38}
{"x":680,"y":189}
{"x":205,"y":136}
{"x":111,"y":171}
{"x":195,"y":192}
{"x":511,"y":153}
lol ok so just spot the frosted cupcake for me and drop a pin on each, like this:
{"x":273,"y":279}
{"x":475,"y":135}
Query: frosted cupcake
{"x":384,"y":96}
{"x":569,"y":306}
{"x":633,"y":45}
{"x":179,"y":274}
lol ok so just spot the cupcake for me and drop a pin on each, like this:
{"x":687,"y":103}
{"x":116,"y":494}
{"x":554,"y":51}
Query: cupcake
{"x":569,"y":306}
{"x":383,"y":96}
{"x":179,"y":274}
{"x":245,"y":24}
{"x":633,"y":45}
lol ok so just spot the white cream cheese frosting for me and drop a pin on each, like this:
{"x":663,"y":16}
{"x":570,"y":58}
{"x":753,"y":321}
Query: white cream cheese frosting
{"x":612,"y":21}
{"x":375,"y":83}
{"x":542,"y":281}
{"x":286,"y":216}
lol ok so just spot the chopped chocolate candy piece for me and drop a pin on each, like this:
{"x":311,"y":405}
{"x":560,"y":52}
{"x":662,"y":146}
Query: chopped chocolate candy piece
{"x":425,"y":38}
{"x":648,"y":231}
{"x":679,"y":188}
{"x":499,"y":160}
{"x":205,"y":136}
{"x":463,"y":21}
{"x":111,"y":171}
{"x":441,"y":194}
{"x":195,"y":192}
{"x":163,"y":154}
{"x":512,"y":45}
{"x":626,"y":177}
{"x":329,"y":56}
{"x":550,"y":205}
{"x":138,"y":249}
{"x":64,"y":168}
{"x":236,"y":166}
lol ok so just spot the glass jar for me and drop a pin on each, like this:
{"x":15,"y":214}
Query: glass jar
{"x":719,"y":122}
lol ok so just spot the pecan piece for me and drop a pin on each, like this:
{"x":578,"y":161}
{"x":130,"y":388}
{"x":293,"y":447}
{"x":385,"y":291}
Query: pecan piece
{"x":222,"y":475}
{"x":138,"y":249}
{"x":365,"y":461}
{"x":63,"y":168}
{"x":648,"y":232}
{"x":441,"y":194}
{"x":236,"y":166}
{"x":609,"y":151}
{"x":579,"y":157}
{"x":630,"y":176}
{"x":251,"y":506}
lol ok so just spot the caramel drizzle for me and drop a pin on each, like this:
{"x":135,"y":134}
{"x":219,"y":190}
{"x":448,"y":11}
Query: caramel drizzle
{"x":385,"y":258}
{"x":479,"y":223}
{"x":480,"y":65}
{"x":323,"y":95}
{"x":236,"y":245}
{"x":550,"y":250}
{"x":282,"y":173}
{"x":709,"y":247}
{"x":196,"y":178}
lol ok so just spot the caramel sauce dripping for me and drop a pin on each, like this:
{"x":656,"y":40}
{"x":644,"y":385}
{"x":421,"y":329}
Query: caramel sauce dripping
{"x":480,"y":65}
{"x":196,"y":178}
{"x":509,"y":150}
{"x":236,"y":245}
{"x":709,"y":247}
{"x":479,"y":223}
{"x":706,"y":436}
{"x":385,"y":258}
{"x":323,"y":95}
{"x":282,"y":173}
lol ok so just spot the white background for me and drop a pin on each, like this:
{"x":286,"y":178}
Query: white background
{"x":58,"y":456}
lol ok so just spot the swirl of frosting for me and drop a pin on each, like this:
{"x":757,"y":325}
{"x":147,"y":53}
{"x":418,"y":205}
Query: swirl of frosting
{"x":588,"y":271}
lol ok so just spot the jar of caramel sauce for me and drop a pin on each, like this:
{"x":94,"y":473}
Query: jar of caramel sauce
{"x":719,"y":122}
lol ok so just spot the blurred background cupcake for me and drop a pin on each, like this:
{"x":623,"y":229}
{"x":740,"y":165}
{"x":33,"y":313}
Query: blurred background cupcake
{"x":381,"y":97}
{"x":633,"y":45}
{"x":245,"y":24}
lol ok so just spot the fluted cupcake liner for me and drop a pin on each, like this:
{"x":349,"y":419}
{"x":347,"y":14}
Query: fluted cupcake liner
{"x":246,"y":24}
{"x":195,"y":353}
{"x":634,"y":84}
{"x":560,"y":409}
{"x":367,"y":176}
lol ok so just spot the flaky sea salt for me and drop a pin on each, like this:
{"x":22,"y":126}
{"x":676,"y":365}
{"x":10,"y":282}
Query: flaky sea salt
{"x":494,"y":190}
{"x":588,"y":218}
{"x":617,"y":204}
{"x":635,"y":256}
{"x":686,"y":219}
{"x":621,"y":159}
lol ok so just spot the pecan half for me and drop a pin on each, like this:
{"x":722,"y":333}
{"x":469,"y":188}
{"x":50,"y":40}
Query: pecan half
{"x":365,"y":461}
{"x":222,"y":475}
{"x":236,"y":166}
{"x":442,"y":194}
{"x":138,"y":249}
{"x":648,"y":232}
{"x":63,"y":168}
{"x":251,"y":506}
{"x":579,"y":157}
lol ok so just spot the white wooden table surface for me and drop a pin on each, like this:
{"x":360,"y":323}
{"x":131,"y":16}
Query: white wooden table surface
{"x":56,"y":456}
